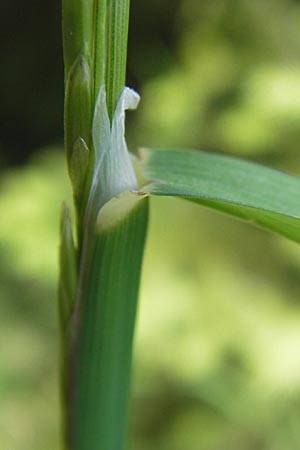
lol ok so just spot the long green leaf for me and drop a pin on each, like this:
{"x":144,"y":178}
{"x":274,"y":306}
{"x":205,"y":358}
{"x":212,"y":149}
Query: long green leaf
{"x":264,"y":196}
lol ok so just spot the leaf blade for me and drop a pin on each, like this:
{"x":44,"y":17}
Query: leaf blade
{"x":267,"y":197}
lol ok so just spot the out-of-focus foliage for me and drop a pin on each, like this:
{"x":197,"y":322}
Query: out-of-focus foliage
{"x":218,"y":336}
{"x":30,"y":202}
{"x":217,"y":359}
{"x":31,"y":89}
{"x":232,"y":84}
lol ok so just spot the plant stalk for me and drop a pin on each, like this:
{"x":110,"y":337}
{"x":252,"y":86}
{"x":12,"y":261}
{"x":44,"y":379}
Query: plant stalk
{"x":99,"y":307}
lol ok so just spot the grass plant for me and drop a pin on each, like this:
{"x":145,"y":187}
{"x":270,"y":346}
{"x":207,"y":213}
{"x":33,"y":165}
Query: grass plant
{"x":101,"y":252}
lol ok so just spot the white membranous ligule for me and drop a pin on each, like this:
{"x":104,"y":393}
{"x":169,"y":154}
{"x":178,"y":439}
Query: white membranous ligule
{"x":113,"y":171}
{"x":113,"y":174}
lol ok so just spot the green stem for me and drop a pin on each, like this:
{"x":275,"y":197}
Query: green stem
{"x":100,"y":44}
{"x":110,"y":48}
{"x":116,"y":35}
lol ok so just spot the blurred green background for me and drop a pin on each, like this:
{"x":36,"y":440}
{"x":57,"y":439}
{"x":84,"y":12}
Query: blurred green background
{"x":217,"y":353}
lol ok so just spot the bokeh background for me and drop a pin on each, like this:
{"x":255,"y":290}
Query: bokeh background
{"x":217,"y":351}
